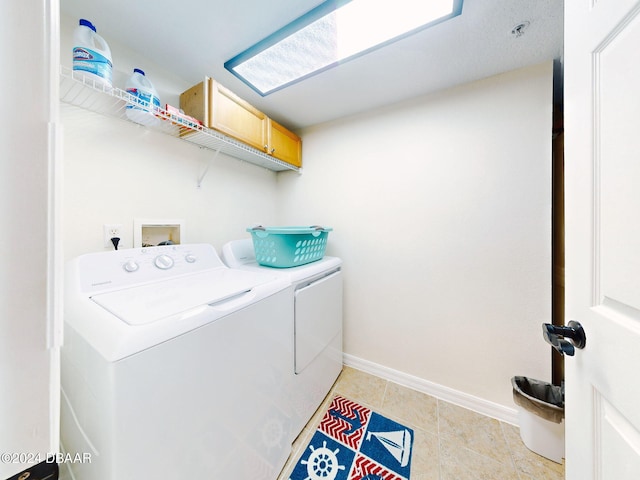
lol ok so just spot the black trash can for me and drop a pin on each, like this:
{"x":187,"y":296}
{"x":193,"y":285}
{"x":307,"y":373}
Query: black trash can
{"x":541,"y":416}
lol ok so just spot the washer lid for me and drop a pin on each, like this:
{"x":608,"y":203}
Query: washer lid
{"x":151,"y":302}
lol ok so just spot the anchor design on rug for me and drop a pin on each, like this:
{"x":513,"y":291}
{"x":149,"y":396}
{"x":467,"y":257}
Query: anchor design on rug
{"x":355,"y":423}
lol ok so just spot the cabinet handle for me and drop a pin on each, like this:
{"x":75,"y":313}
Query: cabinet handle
{"x":273,"y":150}
{"x":266,"y":148}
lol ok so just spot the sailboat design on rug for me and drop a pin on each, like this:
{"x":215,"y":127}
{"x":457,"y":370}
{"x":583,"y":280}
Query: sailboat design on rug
{"x":397,"y":443}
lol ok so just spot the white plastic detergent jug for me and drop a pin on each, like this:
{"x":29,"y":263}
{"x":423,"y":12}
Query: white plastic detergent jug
{"x":146,"y":99}
{"x":91,"y":54}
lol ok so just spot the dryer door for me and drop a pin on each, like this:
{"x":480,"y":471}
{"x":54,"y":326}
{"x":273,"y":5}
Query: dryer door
{"x":318,"y":318}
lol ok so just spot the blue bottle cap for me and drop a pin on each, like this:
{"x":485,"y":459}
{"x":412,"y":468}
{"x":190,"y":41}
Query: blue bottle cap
{"x":137,"y":70}
{"x":87,"y":23}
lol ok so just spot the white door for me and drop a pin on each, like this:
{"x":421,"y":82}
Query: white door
{"x":602,"y":159}
{"x":30,"y":307}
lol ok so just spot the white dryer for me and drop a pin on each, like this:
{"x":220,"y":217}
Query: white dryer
{"x":175,"y":366}
{"x":316,"y":296}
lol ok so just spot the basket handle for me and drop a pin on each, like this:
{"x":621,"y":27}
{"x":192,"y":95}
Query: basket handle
{"x":318,"y":228}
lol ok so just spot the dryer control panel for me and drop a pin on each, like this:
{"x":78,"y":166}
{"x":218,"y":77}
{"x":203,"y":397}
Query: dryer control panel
{"x":104,"y":271}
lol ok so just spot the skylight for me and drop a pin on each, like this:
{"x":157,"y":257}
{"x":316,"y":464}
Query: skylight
{"x":335,"y":31}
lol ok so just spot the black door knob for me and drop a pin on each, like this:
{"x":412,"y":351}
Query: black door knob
{"x":557,"y":335}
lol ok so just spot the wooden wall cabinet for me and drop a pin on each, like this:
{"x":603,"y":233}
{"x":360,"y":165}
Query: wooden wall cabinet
{"x":284,"y":144}
{"x":195,"y":101}
{"x":222,"y":110}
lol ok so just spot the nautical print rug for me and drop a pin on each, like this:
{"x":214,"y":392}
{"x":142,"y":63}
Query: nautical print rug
{"x":356,"y":443}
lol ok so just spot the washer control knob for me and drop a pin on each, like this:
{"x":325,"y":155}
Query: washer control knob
{"x":131,"y":266}
{"x":190,"y":258}
{"x":163,"y":262}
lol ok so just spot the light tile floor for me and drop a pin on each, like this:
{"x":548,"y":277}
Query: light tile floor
{"x":451,"y":442}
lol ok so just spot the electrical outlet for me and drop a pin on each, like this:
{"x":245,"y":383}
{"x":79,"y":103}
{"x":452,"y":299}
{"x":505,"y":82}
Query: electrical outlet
{"x":111,"y":230}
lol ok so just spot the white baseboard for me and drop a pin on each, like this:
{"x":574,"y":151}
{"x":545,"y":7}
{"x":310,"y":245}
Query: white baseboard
{"x":479,"y":405}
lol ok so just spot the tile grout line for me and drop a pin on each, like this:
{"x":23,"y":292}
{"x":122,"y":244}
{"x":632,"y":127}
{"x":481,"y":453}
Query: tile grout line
{"x":384,"y":394}
{"x":511,"y":454}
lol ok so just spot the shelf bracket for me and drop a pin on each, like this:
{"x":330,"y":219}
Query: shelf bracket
{"x":206,"y":168}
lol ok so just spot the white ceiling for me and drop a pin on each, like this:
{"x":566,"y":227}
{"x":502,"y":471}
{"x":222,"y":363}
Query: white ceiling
{"x":195,"y":37}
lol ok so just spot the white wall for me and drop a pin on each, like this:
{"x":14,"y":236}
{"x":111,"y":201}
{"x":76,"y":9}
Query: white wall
{"x":116,"y":171}
{"x":441,"y":210}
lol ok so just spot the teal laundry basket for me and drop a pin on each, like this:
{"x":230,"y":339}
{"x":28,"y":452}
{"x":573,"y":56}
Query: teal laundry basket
{"x":285,"y":247}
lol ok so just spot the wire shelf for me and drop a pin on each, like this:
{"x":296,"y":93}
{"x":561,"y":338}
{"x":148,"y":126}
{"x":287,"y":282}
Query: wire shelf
{"x":85,"y":93}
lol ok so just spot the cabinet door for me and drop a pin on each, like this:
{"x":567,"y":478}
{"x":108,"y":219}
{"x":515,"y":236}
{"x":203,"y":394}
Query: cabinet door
{"x":233,"y":116}
{"x":284,"y":144}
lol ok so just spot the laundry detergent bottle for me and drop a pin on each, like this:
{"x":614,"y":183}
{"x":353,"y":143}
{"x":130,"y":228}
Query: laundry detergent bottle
{"x":91,"y":55}
{"x":145,"y":102}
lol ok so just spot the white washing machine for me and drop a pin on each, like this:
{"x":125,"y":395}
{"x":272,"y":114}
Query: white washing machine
{"x":175,"y":366}
{"x":316,"y":296}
